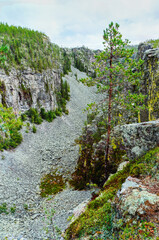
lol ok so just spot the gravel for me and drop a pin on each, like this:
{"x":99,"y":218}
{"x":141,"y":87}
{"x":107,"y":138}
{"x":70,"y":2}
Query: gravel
{"x":52,"y":147}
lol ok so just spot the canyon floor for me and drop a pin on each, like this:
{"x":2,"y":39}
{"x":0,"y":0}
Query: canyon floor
{"x":52,"y":147}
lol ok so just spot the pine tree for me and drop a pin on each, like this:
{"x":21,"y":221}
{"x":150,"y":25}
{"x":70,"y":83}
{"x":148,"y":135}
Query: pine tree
{"x":117,"y":74}
{"x":3,"y":52}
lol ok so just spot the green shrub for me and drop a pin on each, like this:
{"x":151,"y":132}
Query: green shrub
{"x":10,"y":124}
{"x":34,"y":116}
{"x":63,"y":95}
{"x":66,"y":111}
{"x":48,"y":116}
{"x":25,"y":206}
{"x":58,"y":112}
{"x":34,"y":129}
{"x":23,"y":117}
{"x":43,"y":113}
{"x":66,"y":63}
{"x":3,"y":208}
{"x":16,"y":139}
{"x":13,"y":209}
{"x":51,"y":183}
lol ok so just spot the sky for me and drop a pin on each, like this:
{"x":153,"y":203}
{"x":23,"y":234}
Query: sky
{"x":76,"y":23}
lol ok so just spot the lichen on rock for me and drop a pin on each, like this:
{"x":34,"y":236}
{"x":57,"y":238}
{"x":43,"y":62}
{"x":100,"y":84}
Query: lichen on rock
{"x":135,"y":200}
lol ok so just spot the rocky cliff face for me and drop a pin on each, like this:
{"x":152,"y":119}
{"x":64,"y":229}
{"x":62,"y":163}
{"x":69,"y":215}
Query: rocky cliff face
{"x":31,"y":74}
{"x":24,"y":89}
{"x":150,"y":88}
{"x":82,"y":58}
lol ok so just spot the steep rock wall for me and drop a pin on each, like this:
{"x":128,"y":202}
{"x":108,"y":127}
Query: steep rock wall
{"x":82,"y":59}
{"x":150,"y":80}
{"x":24,"y":89}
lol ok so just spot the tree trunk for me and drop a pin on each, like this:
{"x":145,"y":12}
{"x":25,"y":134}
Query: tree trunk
{"x":109,"y":118}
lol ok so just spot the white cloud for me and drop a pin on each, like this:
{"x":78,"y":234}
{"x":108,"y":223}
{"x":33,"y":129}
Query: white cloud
{"x":81,"y":22}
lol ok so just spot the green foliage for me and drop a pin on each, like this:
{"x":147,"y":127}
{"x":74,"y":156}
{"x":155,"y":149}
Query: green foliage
{"x":3,"y":208}
{"x":25,"y":206}
{"x":119,"y":74}
{"x":90,"y":165}
{"x":51,"y":183}
{"x":37,"y":117}
{"x":3,"y":92}
{"x":47,"y":86}
{"x":27,"y":48}
{"x":116,"y":180}
{"x":48,"y":116}
{"x":34,"y":129}
{"x":34,"y":116}
{"x":137,"y":169}
{"x":79,"y":65}
{"x":23,"y":117}
{"x":15,"y":139}
{"x":142,"y":231}
{"x":66,"y":111}
{"x":63,"y":96}
{"x":10,"y":124}
{"x":3,"y":52}
{"x":154,"y":42}
{"x":80,"y":62}
{"x":13,"y":209}
{"x":87,"y":81}
{"x":58,"y":112}
{"x":66,"y":63}
{"x":147,"y":165}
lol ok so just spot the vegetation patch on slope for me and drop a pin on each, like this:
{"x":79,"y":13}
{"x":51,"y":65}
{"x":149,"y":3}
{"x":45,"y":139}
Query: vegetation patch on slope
{"x":51,"y":183}
{"x":154,"y":42}
{"x":29,"y":48}
{"x":98,"y":221}
{"x":10,"y":124}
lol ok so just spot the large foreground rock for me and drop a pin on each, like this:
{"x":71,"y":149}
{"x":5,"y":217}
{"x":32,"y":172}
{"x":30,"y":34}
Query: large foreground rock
{"x":139,"y":199}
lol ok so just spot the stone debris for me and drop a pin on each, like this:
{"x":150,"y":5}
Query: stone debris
{"x":52,"y":147}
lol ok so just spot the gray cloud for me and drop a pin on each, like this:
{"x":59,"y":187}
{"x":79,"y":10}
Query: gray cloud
{"x":75,"y":23}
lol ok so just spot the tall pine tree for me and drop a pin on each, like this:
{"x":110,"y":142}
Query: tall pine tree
{"x":119,"y":76}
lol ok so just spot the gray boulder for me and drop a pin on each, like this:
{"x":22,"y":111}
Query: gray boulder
{"x":138,"y":138}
